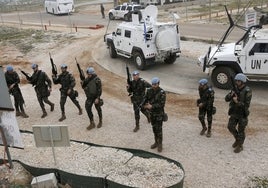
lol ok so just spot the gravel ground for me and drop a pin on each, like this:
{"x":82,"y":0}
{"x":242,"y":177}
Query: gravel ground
{"x":208,"y":162}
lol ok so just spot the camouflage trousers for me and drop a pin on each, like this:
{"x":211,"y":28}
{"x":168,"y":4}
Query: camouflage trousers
{"x":88,"y":105}
{"x":237,"y":127}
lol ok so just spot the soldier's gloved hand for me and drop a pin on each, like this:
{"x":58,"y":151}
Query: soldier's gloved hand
{"x":50,"y":89}
{"x":200,"y":105}
{"x":69,"y":91}
{"x":148,"y":106}
{"x":11,"y":86}
{"x":235,"y":99}
{"x":96,"y":101}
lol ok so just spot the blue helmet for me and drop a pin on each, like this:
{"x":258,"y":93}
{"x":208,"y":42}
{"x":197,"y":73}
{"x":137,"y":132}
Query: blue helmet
{"x":203,"y":81}
{"x":63,"y":66}
{"x":90,"y":70}
{"x":34,"y":66}
{"x":155,"y":80}
{"x":9,"y":68}
{"x":135,"y":72}
{"x":241,"y":77}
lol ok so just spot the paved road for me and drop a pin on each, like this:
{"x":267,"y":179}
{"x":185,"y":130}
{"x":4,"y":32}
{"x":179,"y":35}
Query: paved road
{"x":180,"y":77}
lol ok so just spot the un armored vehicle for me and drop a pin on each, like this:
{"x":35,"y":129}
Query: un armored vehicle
{"x":145,"y":40}
{"x":249,"y":55}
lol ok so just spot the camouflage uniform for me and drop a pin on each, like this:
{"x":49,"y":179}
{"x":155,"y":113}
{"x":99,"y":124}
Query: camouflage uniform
{"x":67,"y":82}
{"x":93,"y":90}
{"x":207,"y":99}
{"x":156,"y":98}
{"x":13,"y":78}
{"x":138,"y":92}
{"x":42,"y":84}
{"x":238,"y":113}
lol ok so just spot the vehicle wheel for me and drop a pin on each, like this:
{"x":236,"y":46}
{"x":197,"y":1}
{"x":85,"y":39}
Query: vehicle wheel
{"x":111,"y":16}
{"x":112,"y":50}
{"x":221,"y":77}
{"x":171,"y":59}
{"x":139,"y":60}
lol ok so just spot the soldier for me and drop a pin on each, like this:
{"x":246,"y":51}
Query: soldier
{"x":239,"y":101}
{"x":42,"y":87}
{"x":155,"y":99}
{"x":13,"y":80}
{"x":93,"y":90}
{"x":102,"y":10}
{"x":67,"y":82}
{"x":137,"y":91}
{"x":205,"y":105}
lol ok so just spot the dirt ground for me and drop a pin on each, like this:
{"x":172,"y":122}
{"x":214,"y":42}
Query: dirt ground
{"x":208,"y":162}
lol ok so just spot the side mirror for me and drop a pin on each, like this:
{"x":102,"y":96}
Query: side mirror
{"x":251,"y":53}
{"x":113,"y":33}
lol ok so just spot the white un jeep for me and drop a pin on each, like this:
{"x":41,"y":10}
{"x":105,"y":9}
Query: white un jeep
{"x":249,"y":56}
{"x":146,"y":40}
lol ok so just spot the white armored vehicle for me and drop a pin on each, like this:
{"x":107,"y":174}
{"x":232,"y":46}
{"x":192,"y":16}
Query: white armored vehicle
{"x":145,"y":40}
{"x":249,"y":56}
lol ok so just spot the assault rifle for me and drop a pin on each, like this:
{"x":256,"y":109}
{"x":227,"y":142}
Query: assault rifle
{"x":129,"y":81}
{"x":81,"y":73}
{"x":54,"y":67}
{"x":27,"y":75}
{"x":143,"y":102}
{"x":234,"y":88}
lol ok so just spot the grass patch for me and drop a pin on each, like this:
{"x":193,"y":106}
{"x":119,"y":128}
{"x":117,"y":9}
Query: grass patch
{"x":24,"y":39}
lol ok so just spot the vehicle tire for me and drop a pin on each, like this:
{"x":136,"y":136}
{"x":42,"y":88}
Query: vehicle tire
{"x":171,"y":59}
{"x":221,"y":77}
{"x":112,"y":50}
{"x":111,"y":16}
{"x":139,"y":60}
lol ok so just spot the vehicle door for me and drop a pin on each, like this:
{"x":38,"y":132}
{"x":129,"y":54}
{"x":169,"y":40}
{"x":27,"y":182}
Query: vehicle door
{"x":118,"y":39}
{"x":123,"y":41}
{"x":122,"y":11}
{"x":257,"y":59}
{"x":117,"y":10}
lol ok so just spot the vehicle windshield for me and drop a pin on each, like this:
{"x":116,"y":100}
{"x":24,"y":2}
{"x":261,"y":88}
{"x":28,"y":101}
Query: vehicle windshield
{"x":245,"y":40}
{"x":137,"y":7}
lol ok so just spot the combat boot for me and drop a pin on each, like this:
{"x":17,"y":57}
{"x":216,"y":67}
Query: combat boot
{"x":238,"y":148}
{"x":235,"y":144}
{"x":63,"y":117}
{"x":44,"y":113}
{"x":18,"y":113}
{"x":24,"y":115}
{"x":159,"y":146}
{"x":99,"y":124}
{"x":209,"y":131}
{"x":52,"y":105}
{"x":80,"y":111}
{"x":204,"y":129}
{"x":137,"y":127}
{"x":91,"y":125}
{"x":155,"y":144}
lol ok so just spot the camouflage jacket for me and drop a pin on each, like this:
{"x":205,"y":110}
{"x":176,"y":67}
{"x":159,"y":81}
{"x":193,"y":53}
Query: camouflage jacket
{"x":138,"y":89}
{"x":157,"y":98}
{"x":12,"y":78}
{"x":66,"y":80}
{"x":206,"y":98}
{"x":39,"y":79}
{"x":92,"y":87}
{"x":240,"y":109}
